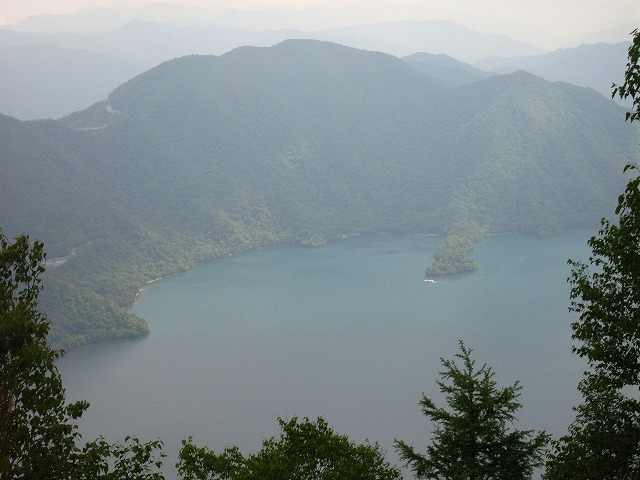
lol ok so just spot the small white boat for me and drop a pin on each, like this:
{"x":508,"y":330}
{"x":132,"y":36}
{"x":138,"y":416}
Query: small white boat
{"x":428,"y":280}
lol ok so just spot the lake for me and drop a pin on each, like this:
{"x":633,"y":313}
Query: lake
{"x":348,"y":331}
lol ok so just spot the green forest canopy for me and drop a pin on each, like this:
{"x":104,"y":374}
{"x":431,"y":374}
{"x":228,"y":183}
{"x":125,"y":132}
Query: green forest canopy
{"x":304,"y":142}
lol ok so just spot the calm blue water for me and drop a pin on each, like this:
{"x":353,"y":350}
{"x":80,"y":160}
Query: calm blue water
{"x":348,"y":331}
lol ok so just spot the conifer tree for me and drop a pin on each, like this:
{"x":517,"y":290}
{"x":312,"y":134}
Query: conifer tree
{"x":472,"y":440}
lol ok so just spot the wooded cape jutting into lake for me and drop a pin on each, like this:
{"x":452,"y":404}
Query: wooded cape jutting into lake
{"x":305,"y":141}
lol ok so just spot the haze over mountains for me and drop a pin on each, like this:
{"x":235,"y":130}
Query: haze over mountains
{"x":176,"y":142}
{"x":595,"y":66}
{"x":548,"y":25}
{"x":53,"y":65}
{"x":305,"y":141}
{"x":46,"y":81}
{"x":142,"y":45}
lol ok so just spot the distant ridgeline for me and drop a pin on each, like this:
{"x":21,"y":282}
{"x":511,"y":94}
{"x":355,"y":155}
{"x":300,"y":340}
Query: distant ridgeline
{"x":304,"y":142}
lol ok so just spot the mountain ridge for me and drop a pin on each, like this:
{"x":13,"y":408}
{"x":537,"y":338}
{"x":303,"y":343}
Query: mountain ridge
{"x":304,"y":142}
{"x":588,"y":65}
{"x":146,"y":44}
{"x":445,"y":68}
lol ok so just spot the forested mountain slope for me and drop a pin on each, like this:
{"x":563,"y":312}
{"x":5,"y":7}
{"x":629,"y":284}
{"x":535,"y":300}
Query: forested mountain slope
{"x":536,"y":156}
{"x":301,"y":142}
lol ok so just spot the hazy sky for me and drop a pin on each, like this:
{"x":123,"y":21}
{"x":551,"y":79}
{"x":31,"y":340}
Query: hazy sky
{"x":529,"y":19}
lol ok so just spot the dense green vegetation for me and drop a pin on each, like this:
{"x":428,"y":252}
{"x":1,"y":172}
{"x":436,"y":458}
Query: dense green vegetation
{"x":604,"y":439}
{"x":39,"y":437}
{"x":304,"y":142}
{"x":305,"y":450}
{"x":473,"y":438}
{"x":454,"y":254}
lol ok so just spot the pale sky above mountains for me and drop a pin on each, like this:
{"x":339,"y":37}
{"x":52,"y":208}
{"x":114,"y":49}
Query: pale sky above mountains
{"x":540,"y":22}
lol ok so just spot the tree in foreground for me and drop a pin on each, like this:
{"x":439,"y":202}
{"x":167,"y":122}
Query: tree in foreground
{"x":306,"y":450}
{"x":472,"y":439}
{"x":604,"y":440}
{"x":38,"y":435}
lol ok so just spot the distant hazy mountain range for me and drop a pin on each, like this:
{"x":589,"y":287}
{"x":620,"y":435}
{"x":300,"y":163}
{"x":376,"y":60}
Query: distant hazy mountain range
{"x":305,"y":141}
{"x":596,"y":66}
{"x":307,"y":19}
{"x":50,"y":82}
{"x":150,"y":43}
{"x":49,"y":75}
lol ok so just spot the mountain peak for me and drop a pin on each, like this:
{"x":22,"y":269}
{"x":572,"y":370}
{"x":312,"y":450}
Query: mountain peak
{"x":302,"y":141}
{"x":304,"y":70}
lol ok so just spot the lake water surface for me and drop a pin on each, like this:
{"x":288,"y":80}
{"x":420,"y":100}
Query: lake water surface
{"x":349,"y":332}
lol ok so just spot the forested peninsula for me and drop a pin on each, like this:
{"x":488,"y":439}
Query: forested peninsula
{"x":302,"y":142}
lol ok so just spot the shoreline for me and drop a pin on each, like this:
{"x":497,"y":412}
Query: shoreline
{"x":141,"y":290}
{"x":345,"y":236}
